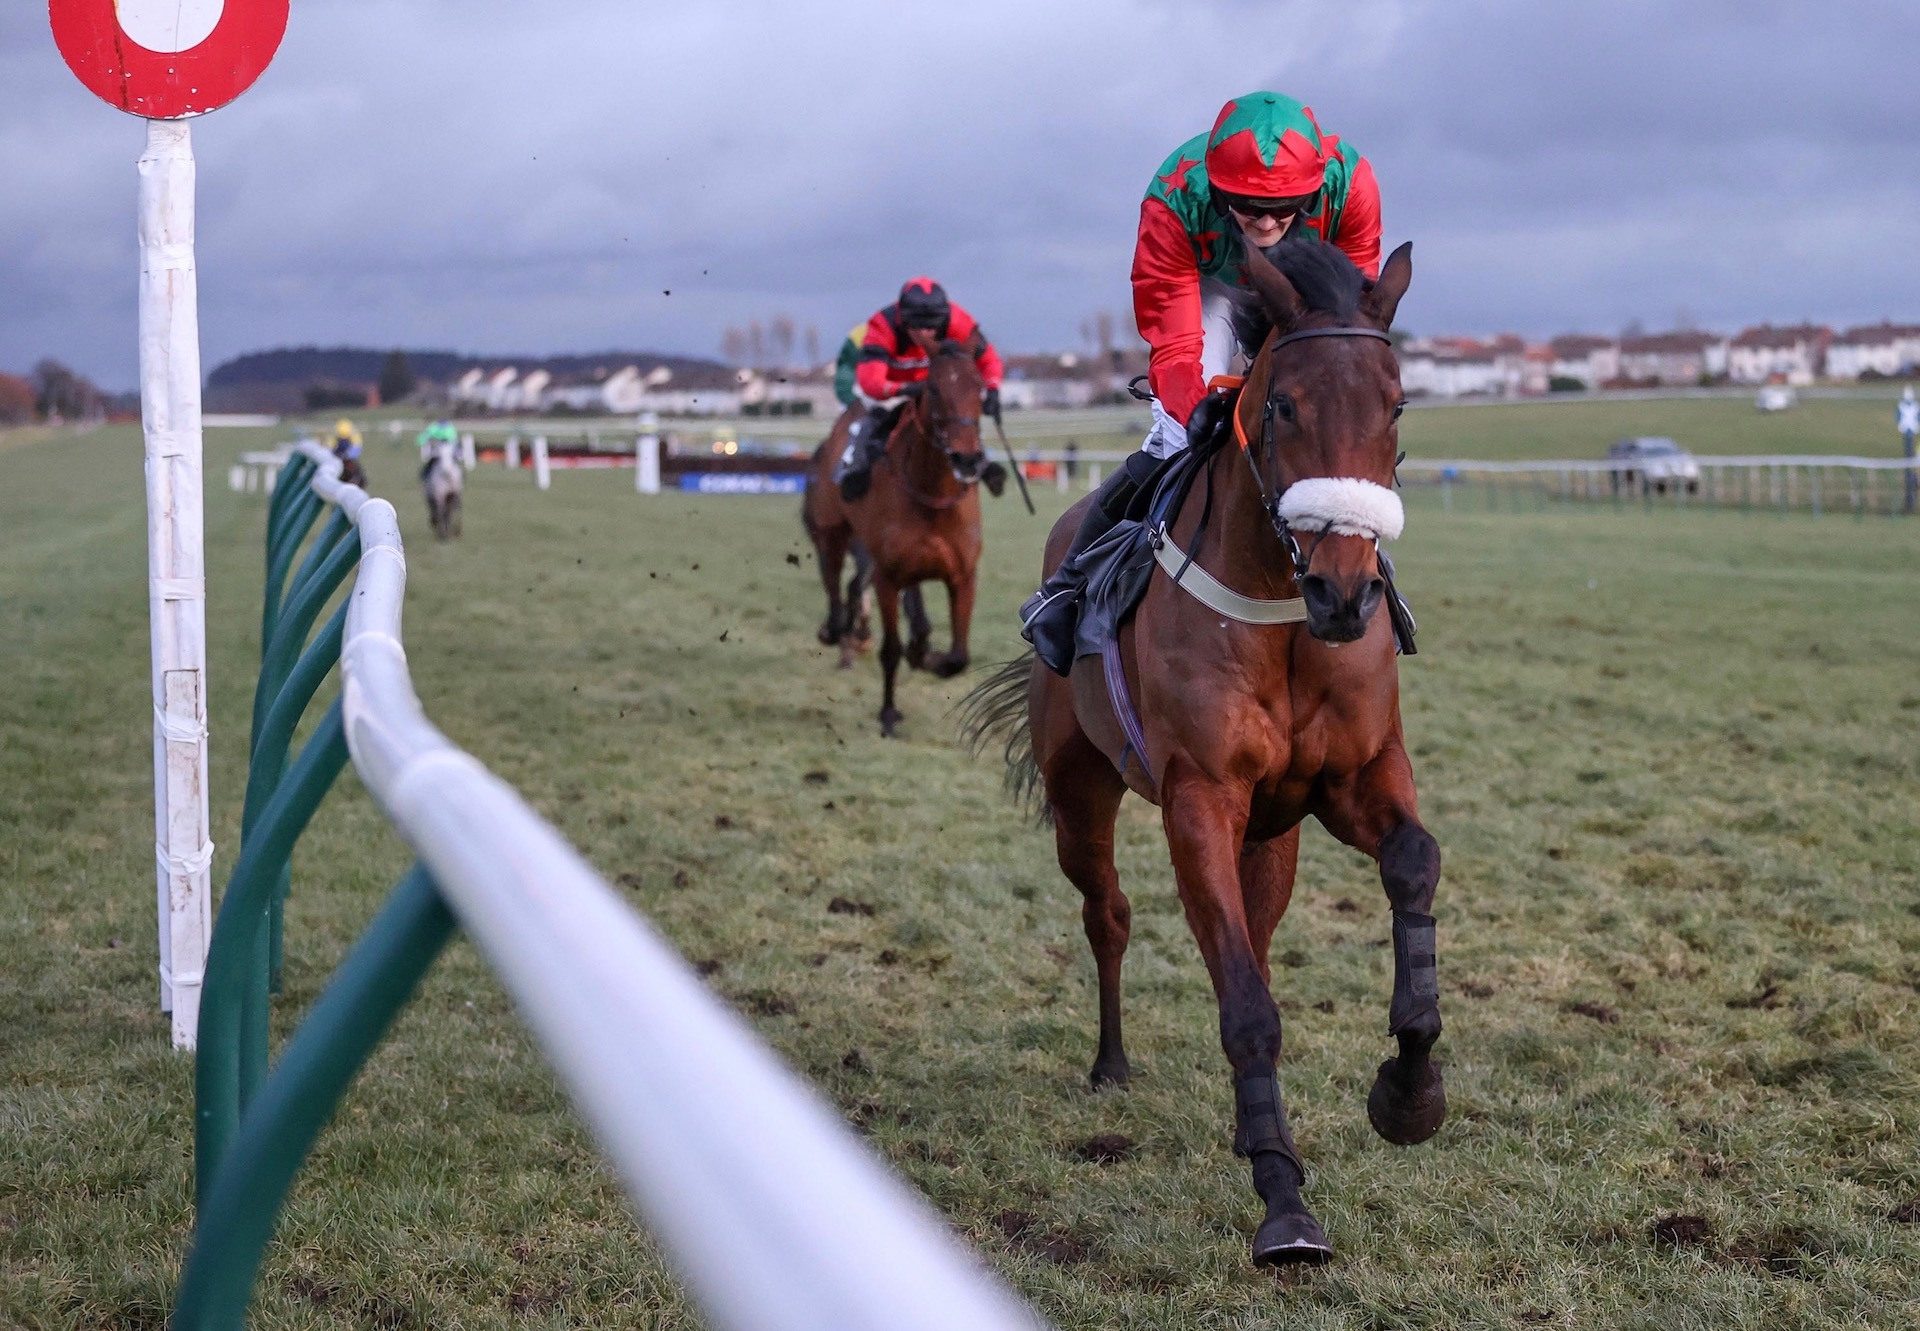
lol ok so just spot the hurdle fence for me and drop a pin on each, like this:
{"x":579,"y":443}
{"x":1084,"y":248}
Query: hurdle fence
{"x":691,"y":1109}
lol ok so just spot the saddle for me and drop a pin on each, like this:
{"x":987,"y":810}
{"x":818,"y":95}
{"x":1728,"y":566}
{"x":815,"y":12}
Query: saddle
{"x":1118,"y":566}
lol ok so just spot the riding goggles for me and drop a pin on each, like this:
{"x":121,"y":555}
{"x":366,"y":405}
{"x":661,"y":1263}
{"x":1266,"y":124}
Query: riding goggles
{"x":1278,"y":209}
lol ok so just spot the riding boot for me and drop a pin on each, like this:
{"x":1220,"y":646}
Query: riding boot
{"x":855,"y":469}
{"x":1049,"y":617}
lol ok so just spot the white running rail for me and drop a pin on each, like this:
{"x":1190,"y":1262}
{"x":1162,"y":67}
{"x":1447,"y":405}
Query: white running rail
{"x":777,"y":1216}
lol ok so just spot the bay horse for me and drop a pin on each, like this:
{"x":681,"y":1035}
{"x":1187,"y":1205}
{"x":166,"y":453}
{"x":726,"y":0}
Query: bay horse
{"x":1245,"y":728}
{"x":918,"y":522}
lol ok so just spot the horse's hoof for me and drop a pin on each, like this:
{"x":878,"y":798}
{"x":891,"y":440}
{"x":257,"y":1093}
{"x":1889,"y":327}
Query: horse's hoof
{"x":1407,"y":1117}
{"x":845,"y":662}
{"x":1110,"y":1073}
{"x":946,"y":667}
{"x":828,"y":635}
{"x":1294,"y":1239}
{"x":917,"y":655}
{"x":889,"y":723}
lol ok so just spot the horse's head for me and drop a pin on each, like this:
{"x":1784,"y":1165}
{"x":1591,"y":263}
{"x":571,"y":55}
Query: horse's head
{"x":950,"y":413}
{"x":1318,"y":422}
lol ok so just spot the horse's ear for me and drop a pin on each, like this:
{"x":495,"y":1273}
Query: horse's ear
{"x":1383,"y":296}
{"x":1281,"y":302}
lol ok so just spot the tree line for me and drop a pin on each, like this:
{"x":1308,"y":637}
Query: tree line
{"x":52,"y":392}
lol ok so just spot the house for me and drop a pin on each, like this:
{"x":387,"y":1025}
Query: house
{"x":789,"y":392}
{"x":1451,"y":367}
{"x":1672,"y":358}
{"x":1883,"y":350}
{"x":698,"y":391}
{"x":467,"y":389}
{"x":528,"y":393}
{"x":1591,"y":360}
{"x":1795,"y":353}
{"x":1065,"y":380}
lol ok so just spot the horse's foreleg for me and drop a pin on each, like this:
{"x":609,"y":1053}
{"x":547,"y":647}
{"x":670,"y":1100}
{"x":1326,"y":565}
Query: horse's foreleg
{"x":960,"y":612}
{"x":919,"y":627}
{"x":1266,"y":886}
{"x":829,"y":550}
{"x":888,"y":595}
{"x":1375,"y":813}
{"x":1205,"y":823}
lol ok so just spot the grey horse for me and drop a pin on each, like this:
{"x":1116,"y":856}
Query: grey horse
{"x":443,"y":483}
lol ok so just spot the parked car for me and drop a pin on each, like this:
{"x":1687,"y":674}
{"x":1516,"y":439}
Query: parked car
{"x":1655,"y":462}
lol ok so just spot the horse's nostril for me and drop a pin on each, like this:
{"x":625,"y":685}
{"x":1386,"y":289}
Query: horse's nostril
{"x":1318,"y":592}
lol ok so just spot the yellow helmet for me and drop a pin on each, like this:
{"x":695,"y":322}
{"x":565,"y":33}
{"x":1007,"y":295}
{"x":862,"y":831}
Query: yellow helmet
{"x":343,"y":427}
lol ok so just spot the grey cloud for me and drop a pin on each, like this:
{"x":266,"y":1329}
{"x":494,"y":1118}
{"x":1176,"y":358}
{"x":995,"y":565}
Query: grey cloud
{"x":496,"y":176}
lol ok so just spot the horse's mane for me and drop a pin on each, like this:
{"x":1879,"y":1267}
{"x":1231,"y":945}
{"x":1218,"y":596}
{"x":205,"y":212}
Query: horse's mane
{"x":1324,"y":277}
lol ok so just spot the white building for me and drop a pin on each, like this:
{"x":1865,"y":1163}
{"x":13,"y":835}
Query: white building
{"x":1795,"y":353}
{"x":1591,"y":360}
{"x":1451,"y":367}
{"x":1677,"y":359}
{"x":1884,"y":349}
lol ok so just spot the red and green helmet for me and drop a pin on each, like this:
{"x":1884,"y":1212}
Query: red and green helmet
{"x":1266,"y":146}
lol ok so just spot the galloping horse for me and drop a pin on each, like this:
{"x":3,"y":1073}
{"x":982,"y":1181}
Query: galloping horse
{"x":920,"y":520}
{"x":444,"y":485}
{"x":1246,"y":726}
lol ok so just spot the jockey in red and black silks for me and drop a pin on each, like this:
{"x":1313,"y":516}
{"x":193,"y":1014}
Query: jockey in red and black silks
{"x":894,"y":357}
{"x":1265,"y":171}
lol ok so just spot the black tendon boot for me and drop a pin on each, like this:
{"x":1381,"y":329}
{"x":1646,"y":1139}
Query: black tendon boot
{"x":1049,"y":616}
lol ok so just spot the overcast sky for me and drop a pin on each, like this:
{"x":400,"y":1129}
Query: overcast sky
{"x":495,"y":176}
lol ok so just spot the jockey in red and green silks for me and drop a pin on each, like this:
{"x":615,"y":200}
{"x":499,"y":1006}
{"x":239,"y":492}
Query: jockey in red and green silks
{"x":847,"y":365}
{"x":1264,"y":169}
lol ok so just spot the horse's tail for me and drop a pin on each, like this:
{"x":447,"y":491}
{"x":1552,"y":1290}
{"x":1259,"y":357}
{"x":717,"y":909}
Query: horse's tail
{"x":995,"y":712}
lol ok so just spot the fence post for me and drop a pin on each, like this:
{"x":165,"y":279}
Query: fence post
{"x":513,"y":452}
{"x":542,"y":478}
{"x":467,"y":459}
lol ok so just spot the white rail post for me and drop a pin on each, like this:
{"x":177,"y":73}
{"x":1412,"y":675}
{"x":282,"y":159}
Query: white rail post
{"x":513,"y":452}
{"x":176,"y":569}
{"x":542,"y":477}
{"x":646,"y":464}
{"x":467,"y":459}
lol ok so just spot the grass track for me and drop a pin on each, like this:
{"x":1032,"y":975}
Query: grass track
{"x":1670,"y":760}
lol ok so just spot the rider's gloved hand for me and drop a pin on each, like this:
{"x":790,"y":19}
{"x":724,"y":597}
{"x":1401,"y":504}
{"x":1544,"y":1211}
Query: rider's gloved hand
{"x":914,"y":389}
{"x":1213,"y":414}
{"x":990,"y":403}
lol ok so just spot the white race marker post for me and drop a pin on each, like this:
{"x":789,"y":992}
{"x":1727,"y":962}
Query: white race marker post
{"x":167,"y":60}
{"x":646,"y":455}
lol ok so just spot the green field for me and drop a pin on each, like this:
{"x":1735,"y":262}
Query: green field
{"x":1670,"y":758}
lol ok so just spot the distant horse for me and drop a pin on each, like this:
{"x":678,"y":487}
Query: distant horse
{"x":444,"y":484}
{"x":1246,"y":726}
{"x":920,"y":521}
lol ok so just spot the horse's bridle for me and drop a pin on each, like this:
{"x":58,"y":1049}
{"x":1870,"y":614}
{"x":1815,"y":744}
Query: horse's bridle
{"x":1270,"y":502}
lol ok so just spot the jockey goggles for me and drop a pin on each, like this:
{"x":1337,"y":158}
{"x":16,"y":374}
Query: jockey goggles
{"x":1278,"y":209}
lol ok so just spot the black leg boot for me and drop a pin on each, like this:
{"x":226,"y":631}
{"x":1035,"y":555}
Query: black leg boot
{"x":864,"y":441}
{"x":1050,"y":614}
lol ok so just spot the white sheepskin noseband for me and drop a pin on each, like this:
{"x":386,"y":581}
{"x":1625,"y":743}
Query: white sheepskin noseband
{"x":1344,"y":505}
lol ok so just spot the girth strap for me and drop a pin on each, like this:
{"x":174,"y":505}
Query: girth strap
{"x":1122,"y":699}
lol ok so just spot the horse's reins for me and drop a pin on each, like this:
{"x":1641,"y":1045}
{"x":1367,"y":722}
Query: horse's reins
{"x":1270,"y":503}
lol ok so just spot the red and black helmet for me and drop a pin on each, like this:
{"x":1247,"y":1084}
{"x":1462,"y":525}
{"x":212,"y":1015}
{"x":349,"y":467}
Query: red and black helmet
{"x":924,"y":304}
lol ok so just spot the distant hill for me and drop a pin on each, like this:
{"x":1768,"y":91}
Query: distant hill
{"x":278,"y":380}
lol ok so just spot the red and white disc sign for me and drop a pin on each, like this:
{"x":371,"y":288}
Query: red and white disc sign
{"x":167,"y":59}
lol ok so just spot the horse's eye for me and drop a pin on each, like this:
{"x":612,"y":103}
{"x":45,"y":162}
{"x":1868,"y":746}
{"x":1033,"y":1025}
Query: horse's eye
{"x":1398,"y":407}
{"x":1283,"y":407}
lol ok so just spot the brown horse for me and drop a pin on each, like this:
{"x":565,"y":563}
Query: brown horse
{"x":1245,"y":729}
{"x":919,"y":521}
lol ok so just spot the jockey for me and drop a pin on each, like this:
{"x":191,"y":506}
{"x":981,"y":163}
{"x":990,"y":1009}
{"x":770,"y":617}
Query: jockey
{"x":439,"y":433}
{"x":847,"y":365}
{"x":346,"y":440}
{"x":1264,"y":171}
{"x":894,"y":353}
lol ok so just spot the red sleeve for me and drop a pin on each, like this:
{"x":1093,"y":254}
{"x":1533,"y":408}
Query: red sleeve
{"x":1359,"y":233}
{"x":965,"y":328}
{"x":876,"y":356}
{"x":1166,"y":308}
